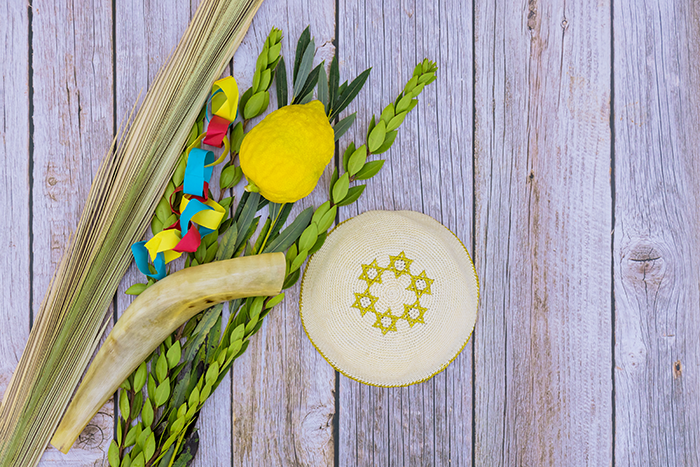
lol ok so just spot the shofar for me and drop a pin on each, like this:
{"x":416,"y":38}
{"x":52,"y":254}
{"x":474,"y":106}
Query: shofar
{"x":153,"y":316}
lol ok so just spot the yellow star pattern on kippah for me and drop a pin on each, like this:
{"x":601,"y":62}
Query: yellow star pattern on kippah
{"x":399,"y":264}
{"x":417,"y":310}
{"x":420,"y":284}
{"x":371,"y":273}
{"x":365,"y":302}
{"x":386,"y":321}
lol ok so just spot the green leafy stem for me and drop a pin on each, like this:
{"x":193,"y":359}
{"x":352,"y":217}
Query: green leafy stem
{"x":160,"y":402}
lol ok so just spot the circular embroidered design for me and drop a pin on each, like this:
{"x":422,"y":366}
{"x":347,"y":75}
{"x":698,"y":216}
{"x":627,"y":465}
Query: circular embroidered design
{"x":386,"y":320}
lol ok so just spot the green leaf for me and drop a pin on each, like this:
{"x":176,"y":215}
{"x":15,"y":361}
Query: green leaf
{"x":306,"y":94}
{"x":302,"y":45}
{"x":147,"y":413}
{"x":346,"y":157}
{"x":237,"y":137}
{"x":163,"y":209}
{"x":136,"y":405}
{"x":281,"y":83}
{"x":211,"y":252}
{"x":308,"y":237}
{"x":247,"y":216}
{"x":237,"y":333}
{"x":348,"y":94}
{"x":124,"y":406}
{"x":323,"y":88}
{"x":151,"y":387}
{"x":156,"y":226}
{"x":281,"y":219}
{"x":340,"y":189}
{"x":388,"y":113}
{"x":334,"y":178}
{"x":193,"y":400}
{"x":376,"y":137}
{"x":113,"y":454}
{"x":320,"y":212}
{"x":291,"y":233}
{"x":298,"y":261}
{"x":251,"y":325}
{"x":136,"y":289}
{"x":179,"y":175}
{"x":333,"y":79}
{"x":319,"y":243}
{"x":369,"y":170}
{"x":234,"y":347}
{"x":143,"y":436}
{"x":291,"y":279}
{"x":131,"y":436}
{"x":138,"y":461}
{"x":359,"y":157}
{"x":417,"y":90}
{"x":343,"y":126}
{"x":227,"y":247}
{"x":328,"y":219}
{"x":263,"y":234}
{"x":388,"y":141}
{"x":274,"y":300}
{"x":244,"y":100}
{"x":150,"y":447}
{"x":213,"y":339}
{"x":212,"y":373}
{"x":372,"y":124}
{"x":174,"y":354}
{"x":265,"y":80}
{"x":256,"y":105}
{"x":274,"y":53}
{"x":201,"y":253}
{"x":162,"y":392}
{"x":352,"y":196}
{"x":302,"y":73}
{"x":228,"y":176}
{"x":403,"y":104}
{"x":162,"y":368}
{"x":292,"y":253}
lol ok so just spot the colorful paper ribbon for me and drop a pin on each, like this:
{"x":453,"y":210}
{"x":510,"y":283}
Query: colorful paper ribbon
{"x":204,"y":214}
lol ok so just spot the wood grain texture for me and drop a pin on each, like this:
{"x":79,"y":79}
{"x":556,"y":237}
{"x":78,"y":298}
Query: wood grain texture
{"x":14,"y":194}
{"x":657,"y":194}
{"x":146,"y":33}
{"x":543,"y":383}
{"x":72,"y":121}
{"x":429,"y":169}
{"x":282,"y":390}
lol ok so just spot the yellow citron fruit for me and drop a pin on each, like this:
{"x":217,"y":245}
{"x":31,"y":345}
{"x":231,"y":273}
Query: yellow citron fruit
{"x":283,"y":156}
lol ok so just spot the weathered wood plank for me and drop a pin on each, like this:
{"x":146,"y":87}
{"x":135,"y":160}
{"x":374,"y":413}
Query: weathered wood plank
{"x":429,"y":169}
{"x":72,"y":119}
{"x":543,"y":220}
{"x":657,"y":193}
{"x":282,"y":390}
{"x":14,"y":179}
{"x":146,"y":34}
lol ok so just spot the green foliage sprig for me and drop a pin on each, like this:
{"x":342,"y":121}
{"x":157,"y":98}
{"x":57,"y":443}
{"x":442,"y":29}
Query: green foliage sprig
{"x":160,"y":402}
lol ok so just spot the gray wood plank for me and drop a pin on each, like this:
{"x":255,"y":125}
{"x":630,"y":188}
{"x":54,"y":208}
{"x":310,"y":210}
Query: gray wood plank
{"x":429,"y":169}
{"x":14,"y":179}
{"x":543,"y":221}
{"x":72,"y":120}
{"x":146,"y":34}
{"x":657,"y":351}
{"x":282,"y":390}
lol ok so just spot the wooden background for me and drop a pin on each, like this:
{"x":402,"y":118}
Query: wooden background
{"x":560,"y":143}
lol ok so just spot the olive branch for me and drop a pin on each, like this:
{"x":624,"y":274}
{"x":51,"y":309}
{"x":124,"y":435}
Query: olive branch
{"x":160,"y":402}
